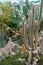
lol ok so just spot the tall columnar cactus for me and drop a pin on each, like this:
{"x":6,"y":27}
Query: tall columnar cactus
{"x":39,"y":19}
{"x":25,"y":40}
{"x":37,"y":25}
{"x":31,"y":24}
{"x":34,"y":29}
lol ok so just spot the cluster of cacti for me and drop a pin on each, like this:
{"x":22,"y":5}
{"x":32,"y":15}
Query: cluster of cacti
{"x":34,"y":29}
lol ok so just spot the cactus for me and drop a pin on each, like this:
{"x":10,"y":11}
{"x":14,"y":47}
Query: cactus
{"x":34,"y":29}
{"x":37,"y":25}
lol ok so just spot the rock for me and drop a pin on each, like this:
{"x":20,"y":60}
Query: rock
{"x":7,"y":50}
{"x":27,"y":63}
{"x":35,"y":61}
{"x":35,"y":51}
{"x":13,"y":53}
{"x":21,"y":59}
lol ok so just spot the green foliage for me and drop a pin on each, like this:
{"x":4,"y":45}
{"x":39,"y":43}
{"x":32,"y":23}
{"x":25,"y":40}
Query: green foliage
{"x":25,"y":11}
{"x":16,"y":21}
{"x":41,"y":25}
{"x":27,"y":4}
{"x":3,"y":41}
{"x":13,"y":60}
{"x":41,"y":61}
{"x":7,"y":11}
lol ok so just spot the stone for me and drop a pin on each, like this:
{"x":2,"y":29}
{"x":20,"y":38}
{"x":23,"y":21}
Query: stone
{"x":35,"y":51}
{"x":21,"y":59}
{"x":27,"y":63}
{"x":13,"y":53}
{"x":35,"y":61}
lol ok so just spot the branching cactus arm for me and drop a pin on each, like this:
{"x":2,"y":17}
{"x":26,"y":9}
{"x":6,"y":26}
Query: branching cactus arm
{"x":32,"y":25}
{"x":25,"y":40}
{"x":36,"y":36}
{"x":37,"y":26}
{"x":39,"y":20}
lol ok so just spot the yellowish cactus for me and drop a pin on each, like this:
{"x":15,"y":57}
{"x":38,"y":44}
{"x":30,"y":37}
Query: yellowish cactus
{"x":23,"y":49}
